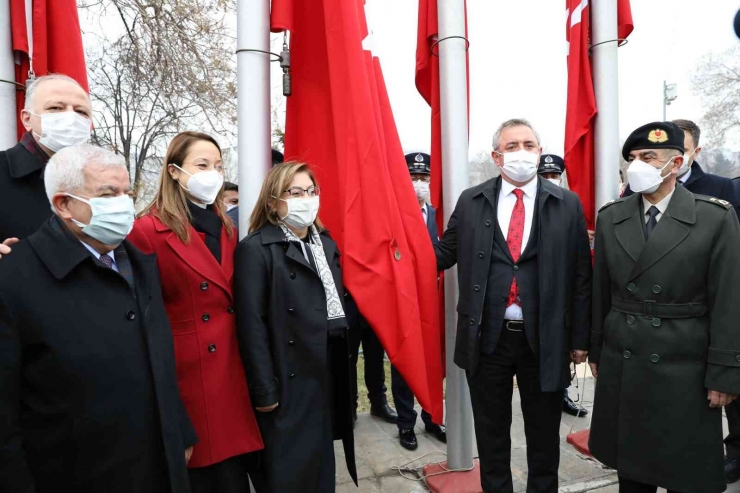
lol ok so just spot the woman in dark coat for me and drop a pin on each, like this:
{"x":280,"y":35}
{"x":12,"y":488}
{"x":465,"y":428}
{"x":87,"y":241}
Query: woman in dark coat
{"x":293,"y":334}
{"x":187,"y":228}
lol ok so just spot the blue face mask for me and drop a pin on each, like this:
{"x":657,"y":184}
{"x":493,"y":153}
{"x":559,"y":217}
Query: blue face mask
{"x":112,"y":218}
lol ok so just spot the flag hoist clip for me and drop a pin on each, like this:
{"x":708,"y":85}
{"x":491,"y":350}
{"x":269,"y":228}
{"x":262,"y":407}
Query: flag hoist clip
{"x":621,"y":41}
{"x":283,"y":58}
{"x":467,"y":43}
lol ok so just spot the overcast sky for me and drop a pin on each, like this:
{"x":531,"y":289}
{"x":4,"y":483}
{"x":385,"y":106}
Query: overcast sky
{"x":518,"y":64}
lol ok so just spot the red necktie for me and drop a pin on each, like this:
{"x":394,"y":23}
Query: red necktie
{"x":514,"y":240}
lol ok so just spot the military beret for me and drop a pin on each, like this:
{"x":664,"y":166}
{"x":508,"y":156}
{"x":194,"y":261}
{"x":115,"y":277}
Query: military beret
{"x":656,"y":135}
{"x":419,"y":163}
{"x":550,"y":163}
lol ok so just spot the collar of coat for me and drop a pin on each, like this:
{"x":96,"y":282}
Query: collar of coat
{"x":545,"y":188}
{"x":22,"y":162}
{"x":696,"y":174}
{"x":270,"y":234}
{"x":62,"y":252}
{"x":681,"y":207}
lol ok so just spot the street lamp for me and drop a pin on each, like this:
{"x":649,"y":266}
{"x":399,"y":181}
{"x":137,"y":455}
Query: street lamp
{"x":670,"y":93}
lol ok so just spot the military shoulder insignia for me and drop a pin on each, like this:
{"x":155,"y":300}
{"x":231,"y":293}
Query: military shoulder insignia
{"x":657,"y":136}
{"x":714,"y":200}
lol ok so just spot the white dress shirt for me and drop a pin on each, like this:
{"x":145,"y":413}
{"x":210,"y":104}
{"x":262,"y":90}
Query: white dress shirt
{"x":97,"y":255}
{"x":683,"y":179}
{"x":661,"y":206}
{"x":506,"y":203}
{"x":425,"y":212}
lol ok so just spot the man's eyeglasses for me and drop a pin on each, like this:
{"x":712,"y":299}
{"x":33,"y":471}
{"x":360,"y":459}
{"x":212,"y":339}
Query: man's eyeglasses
{"x":297,"y":192}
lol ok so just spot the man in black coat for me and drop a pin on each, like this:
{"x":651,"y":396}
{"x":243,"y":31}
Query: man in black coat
{"x":419,"y":164}
{"x":54,"y":115}
{"x":524,"y":310}
{"x":692,"y":176}
{"x":89,"y":398}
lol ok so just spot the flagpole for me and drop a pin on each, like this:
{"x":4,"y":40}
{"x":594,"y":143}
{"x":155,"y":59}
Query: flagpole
{"x":8,"y":129}
{"x":606,"y":88}
{"x":454,"y":118}
{"x":253,"y":100}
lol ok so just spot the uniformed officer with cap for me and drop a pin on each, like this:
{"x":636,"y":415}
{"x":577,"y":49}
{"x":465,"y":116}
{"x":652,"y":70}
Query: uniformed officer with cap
{"x":664,"y":343}
{"x":419,"y":164}
{"x":551,"y":168}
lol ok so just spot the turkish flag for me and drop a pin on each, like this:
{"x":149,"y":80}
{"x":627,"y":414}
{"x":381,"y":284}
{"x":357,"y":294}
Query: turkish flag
{"x":339,"y":120}
{"x":55,"y":44}
{"x":581,"y":108}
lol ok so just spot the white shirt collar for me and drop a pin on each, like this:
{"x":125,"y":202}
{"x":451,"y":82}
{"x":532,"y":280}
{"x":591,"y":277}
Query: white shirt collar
{"x":685,"y":177}
{"x":530,"y":189}
{"x":96,"y":253}
{"x":661,"y":206}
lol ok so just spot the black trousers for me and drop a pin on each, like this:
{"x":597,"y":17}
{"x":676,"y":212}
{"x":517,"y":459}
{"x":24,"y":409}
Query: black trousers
{"x":228,"y":476}
{"x":491,"y":390}
{"x":403,"y":397}
{"x":373,"y":354}
{"x":629,"y":486}
{"x":732,"y":441}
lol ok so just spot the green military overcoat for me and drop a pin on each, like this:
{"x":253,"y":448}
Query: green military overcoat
{"x":666,"y":328}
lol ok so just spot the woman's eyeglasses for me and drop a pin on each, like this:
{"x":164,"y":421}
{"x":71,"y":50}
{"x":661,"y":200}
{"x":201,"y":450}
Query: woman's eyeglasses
{"x":298,"y":192}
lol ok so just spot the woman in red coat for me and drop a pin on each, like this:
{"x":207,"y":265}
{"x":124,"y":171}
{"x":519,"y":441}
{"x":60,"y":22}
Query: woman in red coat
{"x":187,"y":228}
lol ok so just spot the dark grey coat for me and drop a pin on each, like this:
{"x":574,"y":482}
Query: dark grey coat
{"x":282,"y":330}
{"x":88,"y":391}
{"x":564,"y":275}
{"x":665,"y":330}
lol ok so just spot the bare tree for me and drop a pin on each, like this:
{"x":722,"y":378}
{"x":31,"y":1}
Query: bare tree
{"x":166,"y":66}
{"x":717,"y":82}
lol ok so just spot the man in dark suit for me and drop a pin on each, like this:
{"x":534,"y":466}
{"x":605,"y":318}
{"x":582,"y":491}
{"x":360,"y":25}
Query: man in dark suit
{"x":419,"y":164}
{"x":89,"y":398}
{"x":664,"y":343}
{"x":57,"y":113}
{"x":692,"y":176}
{"x":524,"y":310}
{"x":551,"y":169}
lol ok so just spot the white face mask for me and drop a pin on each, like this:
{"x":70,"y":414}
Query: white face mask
{"x":422,"y":189}
{"x":63,"y":129}
{"x":230,"y":207}
{"x":686,"y":165}
{"x":302,"y":212}
{"x":644,"y":178}
{"x":520,"y":166}
{"x":112,"y":218}
{"x":203,"y":186}
{"x":555,"y":181}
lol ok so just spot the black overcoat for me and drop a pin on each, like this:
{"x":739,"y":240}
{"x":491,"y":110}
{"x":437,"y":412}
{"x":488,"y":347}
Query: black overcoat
{"x":22,"y":195}
{"x":282,"y":330}
{"x":88,"y":391}
{"x":665,"y":330}
{"x":564,"y":275}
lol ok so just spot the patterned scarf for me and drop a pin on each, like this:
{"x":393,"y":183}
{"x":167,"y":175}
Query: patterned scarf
{"x":333,"y":303}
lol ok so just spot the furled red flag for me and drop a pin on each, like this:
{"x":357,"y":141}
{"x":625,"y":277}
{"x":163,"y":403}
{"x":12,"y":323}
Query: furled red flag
{"x":581,"y":109}
{"x":340,"y":121}
{"x":55,"y":44}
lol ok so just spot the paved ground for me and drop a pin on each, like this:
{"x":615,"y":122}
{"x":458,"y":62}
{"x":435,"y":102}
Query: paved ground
{"x":378,"y":451}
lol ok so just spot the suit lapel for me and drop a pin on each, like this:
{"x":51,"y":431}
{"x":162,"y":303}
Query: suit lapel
{"x":227,"y":255}
{"x":199,"y":258}
{"x":629,"y":229}
{"x":669,"y":232}
{"x":492,"y":195}
{"x":295,"y":253}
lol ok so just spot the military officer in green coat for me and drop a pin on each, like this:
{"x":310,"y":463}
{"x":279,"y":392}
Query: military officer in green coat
{"x":665,"y":342}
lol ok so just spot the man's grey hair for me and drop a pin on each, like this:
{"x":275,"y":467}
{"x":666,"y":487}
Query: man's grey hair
{"x":64,"y":173}
{"x":31,"y":89}
{"x":514,"y":122}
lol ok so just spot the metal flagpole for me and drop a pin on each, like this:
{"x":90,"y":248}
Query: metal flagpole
{"x":253,"y":98}
{"x":8,"y":135}
{"x":606,"y":87}
{"x":453,"y":88}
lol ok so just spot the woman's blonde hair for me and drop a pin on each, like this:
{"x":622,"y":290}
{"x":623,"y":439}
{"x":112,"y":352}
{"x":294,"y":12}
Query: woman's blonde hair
{"x":170,"y":204}
{"x":277,"y":181}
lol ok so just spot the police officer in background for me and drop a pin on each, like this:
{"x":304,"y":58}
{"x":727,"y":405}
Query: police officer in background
{"x":664,"y":344}
{"x":233,"y":207}
{"x":419,"y":165}
{"x":551,"y":168}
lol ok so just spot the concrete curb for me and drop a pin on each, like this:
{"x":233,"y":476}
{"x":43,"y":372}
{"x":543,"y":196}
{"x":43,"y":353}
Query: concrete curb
{"x":594,"y":484}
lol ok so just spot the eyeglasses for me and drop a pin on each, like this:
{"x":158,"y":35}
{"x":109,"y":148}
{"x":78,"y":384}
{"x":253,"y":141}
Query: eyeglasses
{"x":424,"y":178}
{"x":298,"y":192}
